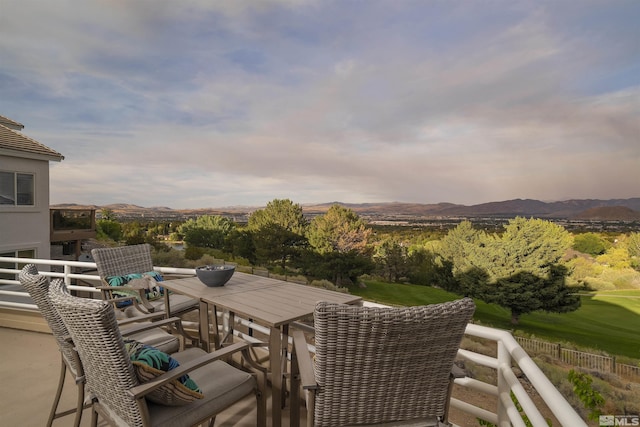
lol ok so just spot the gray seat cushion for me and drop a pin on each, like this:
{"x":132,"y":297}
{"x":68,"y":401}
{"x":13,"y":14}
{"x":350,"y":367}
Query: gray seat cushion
{"x":214,"y":381}
{"x":179,"y":304}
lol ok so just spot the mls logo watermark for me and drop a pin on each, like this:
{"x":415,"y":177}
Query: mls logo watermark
{"x":619,"y":420}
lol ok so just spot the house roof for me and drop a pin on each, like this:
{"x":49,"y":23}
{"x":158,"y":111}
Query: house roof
{"x":14,"y":143}
{"x":11,"y":124}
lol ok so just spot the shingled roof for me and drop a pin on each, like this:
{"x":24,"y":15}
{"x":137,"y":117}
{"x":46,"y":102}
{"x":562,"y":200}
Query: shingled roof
{"x":14,"y":143}
{"x":11,"y":124}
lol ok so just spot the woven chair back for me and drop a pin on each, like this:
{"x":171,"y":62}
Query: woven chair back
{"x":376,"y":365}
{"x":123,"y":260}
{"x":93,"y":327}
{"x":38,"y":287}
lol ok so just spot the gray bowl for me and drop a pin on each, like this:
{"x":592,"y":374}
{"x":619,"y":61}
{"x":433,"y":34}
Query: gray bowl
{"x":215,"y":275}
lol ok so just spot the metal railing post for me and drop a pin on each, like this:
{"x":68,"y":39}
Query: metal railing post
{"x":67,"y":272}
{"x":504,"y":358}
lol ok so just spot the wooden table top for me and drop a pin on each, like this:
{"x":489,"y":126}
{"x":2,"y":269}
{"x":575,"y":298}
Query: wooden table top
{"x":265,"y":300}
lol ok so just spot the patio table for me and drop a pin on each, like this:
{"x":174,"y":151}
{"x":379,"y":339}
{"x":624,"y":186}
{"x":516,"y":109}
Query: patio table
{"x":266,"y":301}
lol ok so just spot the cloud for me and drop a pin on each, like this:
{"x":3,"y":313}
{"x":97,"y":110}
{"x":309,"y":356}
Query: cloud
{"x":226,"y":103}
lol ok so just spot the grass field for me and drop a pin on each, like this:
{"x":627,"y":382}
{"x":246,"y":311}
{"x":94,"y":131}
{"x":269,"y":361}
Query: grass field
{"x":607,"y":321}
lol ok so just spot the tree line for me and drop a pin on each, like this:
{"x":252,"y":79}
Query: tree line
{"x":521,"y":268}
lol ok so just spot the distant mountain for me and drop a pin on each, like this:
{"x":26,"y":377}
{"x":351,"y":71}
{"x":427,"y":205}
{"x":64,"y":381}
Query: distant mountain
{"x":389,"y":208}
{"x":505,"y":209}
{"x":585,"y":209}
{"x":609,"y":213}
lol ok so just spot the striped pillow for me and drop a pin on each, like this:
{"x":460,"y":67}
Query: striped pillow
{"x":149,"y":363}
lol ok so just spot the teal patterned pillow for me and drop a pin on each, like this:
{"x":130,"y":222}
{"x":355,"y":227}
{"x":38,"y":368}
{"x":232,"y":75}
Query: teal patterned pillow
{"x":151,"y":294}
{"x":149,"y":363}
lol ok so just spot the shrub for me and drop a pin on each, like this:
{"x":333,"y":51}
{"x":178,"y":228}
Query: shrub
{"x":599,"y":284}
{"x":170,"y":258}
{"x":590,"y":398}
{"x":328,"y":285}
{"x":109,"y":229}
{"x":193,"y":253}
{"x":590,"y":243}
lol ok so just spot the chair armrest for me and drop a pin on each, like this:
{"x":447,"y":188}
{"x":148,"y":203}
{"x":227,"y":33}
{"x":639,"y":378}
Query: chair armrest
{"x":132,"y":329}
{"x":248,"y":356}
{"x":150,"y":317}
{"x":305,"y":365}
{"x":225,"y":352}
{"x":457,"y":372}
{"x":118,"y":288}
{"x":108,"y":290}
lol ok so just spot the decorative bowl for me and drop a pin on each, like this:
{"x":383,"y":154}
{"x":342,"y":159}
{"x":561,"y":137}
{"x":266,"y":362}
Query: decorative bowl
{"x":215,"y":275}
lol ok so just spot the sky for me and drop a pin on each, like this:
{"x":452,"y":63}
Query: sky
{"x":202,"y":103}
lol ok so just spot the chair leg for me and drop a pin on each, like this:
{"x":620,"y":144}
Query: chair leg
{"x":56,"y":400}
{"x":94,"y":417}
{"x":80,"y":404}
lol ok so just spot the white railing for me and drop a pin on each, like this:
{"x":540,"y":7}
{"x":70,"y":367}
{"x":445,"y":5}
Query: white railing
{"x":67,"y":275}
{"x":509,"y":352}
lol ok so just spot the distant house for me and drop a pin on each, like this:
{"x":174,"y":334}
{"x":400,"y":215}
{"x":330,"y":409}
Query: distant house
{"x":24,"y":193}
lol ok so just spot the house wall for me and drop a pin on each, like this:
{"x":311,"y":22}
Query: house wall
{"x":26,"y":227}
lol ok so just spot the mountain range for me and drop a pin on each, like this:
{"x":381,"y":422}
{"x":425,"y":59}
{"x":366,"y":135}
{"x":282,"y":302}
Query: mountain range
{"x":583,"y":209}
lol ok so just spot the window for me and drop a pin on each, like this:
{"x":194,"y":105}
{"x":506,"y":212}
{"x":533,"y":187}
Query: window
{"x":17,"y":189}
{"x":25,"y":253}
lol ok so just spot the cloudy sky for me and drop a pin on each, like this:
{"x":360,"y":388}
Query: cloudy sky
{"x":202,"y":103}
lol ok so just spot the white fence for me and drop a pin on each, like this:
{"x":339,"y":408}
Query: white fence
{"x":509,"y":353}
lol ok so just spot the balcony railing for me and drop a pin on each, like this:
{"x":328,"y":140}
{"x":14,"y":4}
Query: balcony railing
{"x":509,"y":353}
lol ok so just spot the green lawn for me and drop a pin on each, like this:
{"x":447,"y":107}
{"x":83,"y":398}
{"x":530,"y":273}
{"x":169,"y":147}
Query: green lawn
{"x":608,"y":321}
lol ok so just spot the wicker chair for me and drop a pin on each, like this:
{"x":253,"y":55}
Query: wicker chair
{"x":382,"y":366}
{"x":119,"y":397}
{"x":38,"y":287}
{"x":123,"y":260}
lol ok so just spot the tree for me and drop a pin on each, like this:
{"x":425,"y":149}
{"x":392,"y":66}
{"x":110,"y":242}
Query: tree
{"x":427,"y":268}
{"x":278,"y":232}
{"x":206,"y":231}
{"x":633,"y":244}
{"x":109,"y":228}
{"x":531,"y":245}
{"x":519,"y":269}
{"x":464,"y":248}
{"x":339,"y":230}
{"x":590,"y":243}
{"x":204,"y":238}
{"x":341,"y":268}
{"x":391,"y":259}
{"x":525,"y":292}
{"x":274,"y":243}
{"x":134,"y":233}
{"x":633,"y":248}
{"x":341,"y":239}
{"x":107,"y":214}
{"x":616,"y":257}
{"x":282,"y":212}
{"x":208,"y":222}
{"x":240,"y":243}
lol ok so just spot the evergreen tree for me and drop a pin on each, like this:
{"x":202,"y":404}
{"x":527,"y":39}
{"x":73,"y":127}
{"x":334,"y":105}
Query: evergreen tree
{"x":278,"y":231}
{"x":339,"y":242}
{"x":590,"y":243}
{"x":339,"y":230}
{"x":520,"y":269}
{"x":282,"y":212}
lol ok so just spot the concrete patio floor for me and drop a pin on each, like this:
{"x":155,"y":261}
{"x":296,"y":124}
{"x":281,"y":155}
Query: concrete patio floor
{"x":30,"y":369}
{"x":29,"y":372}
